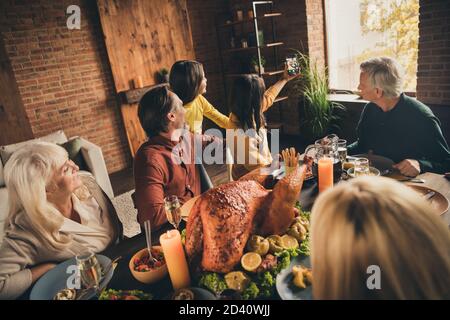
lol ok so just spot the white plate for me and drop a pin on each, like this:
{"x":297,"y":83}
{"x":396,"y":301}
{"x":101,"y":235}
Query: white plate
{"x":186,"y":208}
{"x":374,"y":171}
{"x":56,"y":279}
{"x":286,"y":289}
{"x":379,"y":162}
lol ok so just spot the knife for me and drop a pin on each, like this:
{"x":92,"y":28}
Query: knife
{"x":414,"y":180}
{"x":429,"y":195}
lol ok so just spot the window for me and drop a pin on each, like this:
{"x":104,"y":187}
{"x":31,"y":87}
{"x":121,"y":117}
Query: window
{"x":361,"y":29}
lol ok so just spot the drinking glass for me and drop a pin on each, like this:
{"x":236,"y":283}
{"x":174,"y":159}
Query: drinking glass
{"x":342,"y":151}
{"x":361,"y":167}
{"x":90,"y":270}
{"x":173,"y":210}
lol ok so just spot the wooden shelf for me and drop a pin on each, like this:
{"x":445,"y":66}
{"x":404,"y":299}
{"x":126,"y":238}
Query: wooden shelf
{"x":267,"y":73}
{"x":280,"y":99}
{"x":274,"y":14}
{"x":267,"y":15}
{"x":272,"y":73}
{"x":269,"y":45}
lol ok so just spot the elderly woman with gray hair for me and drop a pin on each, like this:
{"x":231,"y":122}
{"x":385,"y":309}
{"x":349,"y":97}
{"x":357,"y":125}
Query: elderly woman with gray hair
{"x":397,"y":126}
{"x":55,"y":213}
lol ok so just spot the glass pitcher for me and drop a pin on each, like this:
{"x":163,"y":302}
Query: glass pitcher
{"x":325,"y":147}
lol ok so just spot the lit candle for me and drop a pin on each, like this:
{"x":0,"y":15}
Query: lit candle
{"x":138,"y":82}
{"x":175,"y":259}
{"x":325,"y":173}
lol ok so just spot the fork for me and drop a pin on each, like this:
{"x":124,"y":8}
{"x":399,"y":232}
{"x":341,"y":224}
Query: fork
{"x":429,"y":195}
{"x":414,"y":180}
{"x":148,"y":239}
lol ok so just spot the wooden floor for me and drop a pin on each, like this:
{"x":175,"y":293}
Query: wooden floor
{"x":123,"y":180}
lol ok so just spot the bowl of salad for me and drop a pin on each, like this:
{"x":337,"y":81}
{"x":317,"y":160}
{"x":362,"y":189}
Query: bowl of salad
{"x":111,"y":294}
{"x":146,"y":270}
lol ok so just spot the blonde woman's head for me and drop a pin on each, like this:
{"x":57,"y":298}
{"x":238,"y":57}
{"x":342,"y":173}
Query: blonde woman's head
{"x":375,"y":221}
{"x":37,"y":175}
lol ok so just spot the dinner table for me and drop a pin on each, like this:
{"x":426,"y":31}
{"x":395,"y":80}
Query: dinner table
{"x":123,"y":279}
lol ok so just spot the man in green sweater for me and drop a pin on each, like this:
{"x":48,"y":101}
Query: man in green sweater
{"x":396,"y":126}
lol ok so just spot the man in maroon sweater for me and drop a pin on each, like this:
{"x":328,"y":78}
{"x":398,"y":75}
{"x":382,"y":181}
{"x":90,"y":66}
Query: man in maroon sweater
{"x":165,"y":164}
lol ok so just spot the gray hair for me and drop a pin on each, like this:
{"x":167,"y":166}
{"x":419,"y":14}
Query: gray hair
{"x":384,"y":73}
{"x":27,"y":173}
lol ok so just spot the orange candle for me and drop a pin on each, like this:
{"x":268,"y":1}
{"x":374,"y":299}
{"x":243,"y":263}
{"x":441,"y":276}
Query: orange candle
{"x":138,"y":82}
{"x":325,"y":173}
{"x":175,"y":259}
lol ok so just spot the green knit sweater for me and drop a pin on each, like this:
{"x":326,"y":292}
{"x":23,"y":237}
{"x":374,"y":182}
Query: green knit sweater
{"x":408,"y":131}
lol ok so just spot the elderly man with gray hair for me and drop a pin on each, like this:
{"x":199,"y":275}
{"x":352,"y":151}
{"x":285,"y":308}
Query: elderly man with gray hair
{"x":397,"y":126}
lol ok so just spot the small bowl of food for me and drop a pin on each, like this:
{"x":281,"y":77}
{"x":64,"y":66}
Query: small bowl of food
{"x":146,"y":271}
{"x":66,"y":294}
{"x":372,"y":172}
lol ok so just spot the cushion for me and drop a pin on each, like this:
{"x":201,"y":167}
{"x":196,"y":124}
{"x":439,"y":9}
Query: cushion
{"x":73,"y":148}
{"x":55,"y":137}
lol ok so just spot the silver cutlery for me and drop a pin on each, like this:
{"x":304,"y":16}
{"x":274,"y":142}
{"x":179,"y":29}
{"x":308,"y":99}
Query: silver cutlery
{"x":84,"y":293}
{"x":148,"y":239}
{"x":429,"y":195}
{"x":414,"y":180}
{"x":113,"y":265}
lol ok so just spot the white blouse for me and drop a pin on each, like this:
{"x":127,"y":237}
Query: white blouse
{"x":95,"y":231}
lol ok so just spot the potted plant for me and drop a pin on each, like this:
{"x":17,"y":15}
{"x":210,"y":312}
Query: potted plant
{"x":319,"y":115}
{"x":254,"y":63}
{"x":162,"y":76}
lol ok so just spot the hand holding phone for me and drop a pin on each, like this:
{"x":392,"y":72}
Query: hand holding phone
{"x":293,"y":67}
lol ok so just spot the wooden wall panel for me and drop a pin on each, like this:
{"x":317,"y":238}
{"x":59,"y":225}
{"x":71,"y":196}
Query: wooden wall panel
{"x":135,"y":134}
{"x":144,"y":36}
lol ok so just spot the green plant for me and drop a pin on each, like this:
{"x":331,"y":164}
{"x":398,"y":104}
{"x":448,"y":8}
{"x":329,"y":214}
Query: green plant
{"x":162,"y":75}
{"x":319,"y":111}
{"x":163,"y":72}
{"x":254,"y":61}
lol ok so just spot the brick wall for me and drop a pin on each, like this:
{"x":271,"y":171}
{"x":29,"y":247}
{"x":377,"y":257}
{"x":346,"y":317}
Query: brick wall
{"x":316,"y":31}
{"x":433,"y":76}
{"x":202,"y":15}
{"x":63,"y":75}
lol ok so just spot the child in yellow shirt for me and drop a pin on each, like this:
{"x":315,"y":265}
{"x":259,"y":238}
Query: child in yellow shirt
{"x":187,"y":79}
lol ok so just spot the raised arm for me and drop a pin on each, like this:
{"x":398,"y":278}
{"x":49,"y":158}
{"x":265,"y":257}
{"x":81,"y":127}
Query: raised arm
{"x":271,"y":94}
{"x":213,"y":114}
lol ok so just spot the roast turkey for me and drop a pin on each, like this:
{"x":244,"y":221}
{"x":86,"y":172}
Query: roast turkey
{"x":222,"y":219}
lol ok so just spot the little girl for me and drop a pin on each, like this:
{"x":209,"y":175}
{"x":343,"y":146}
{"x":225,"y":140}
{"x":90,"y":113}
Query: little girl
{"x":249,"y":101}
{"x":188,"y":81}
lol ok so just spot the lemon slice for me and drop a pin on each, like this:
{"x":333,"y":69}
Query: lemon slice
{"x":251,"y":261}
{"x":289,"y":242}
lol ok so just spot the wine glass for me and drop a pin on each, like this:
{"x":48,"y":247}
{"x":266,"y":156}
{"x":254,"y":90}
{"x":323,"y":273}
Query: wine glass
{"x":361,"y":167}
{"x":90,"y":271}
{"x":342,"y":151}
{"x":173,"y":210}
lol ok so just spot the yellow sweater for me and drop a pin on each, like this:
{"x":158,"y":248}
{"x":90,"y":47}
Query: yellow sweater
{"x":199,"y":107}
{"x":246,"y":151}
{"x":256,"y":148}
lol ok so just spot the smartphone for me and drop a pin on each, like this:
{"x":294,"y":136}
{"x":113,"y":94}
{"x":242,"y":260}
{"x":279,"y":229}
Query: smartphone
{"x":293,"y":67}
